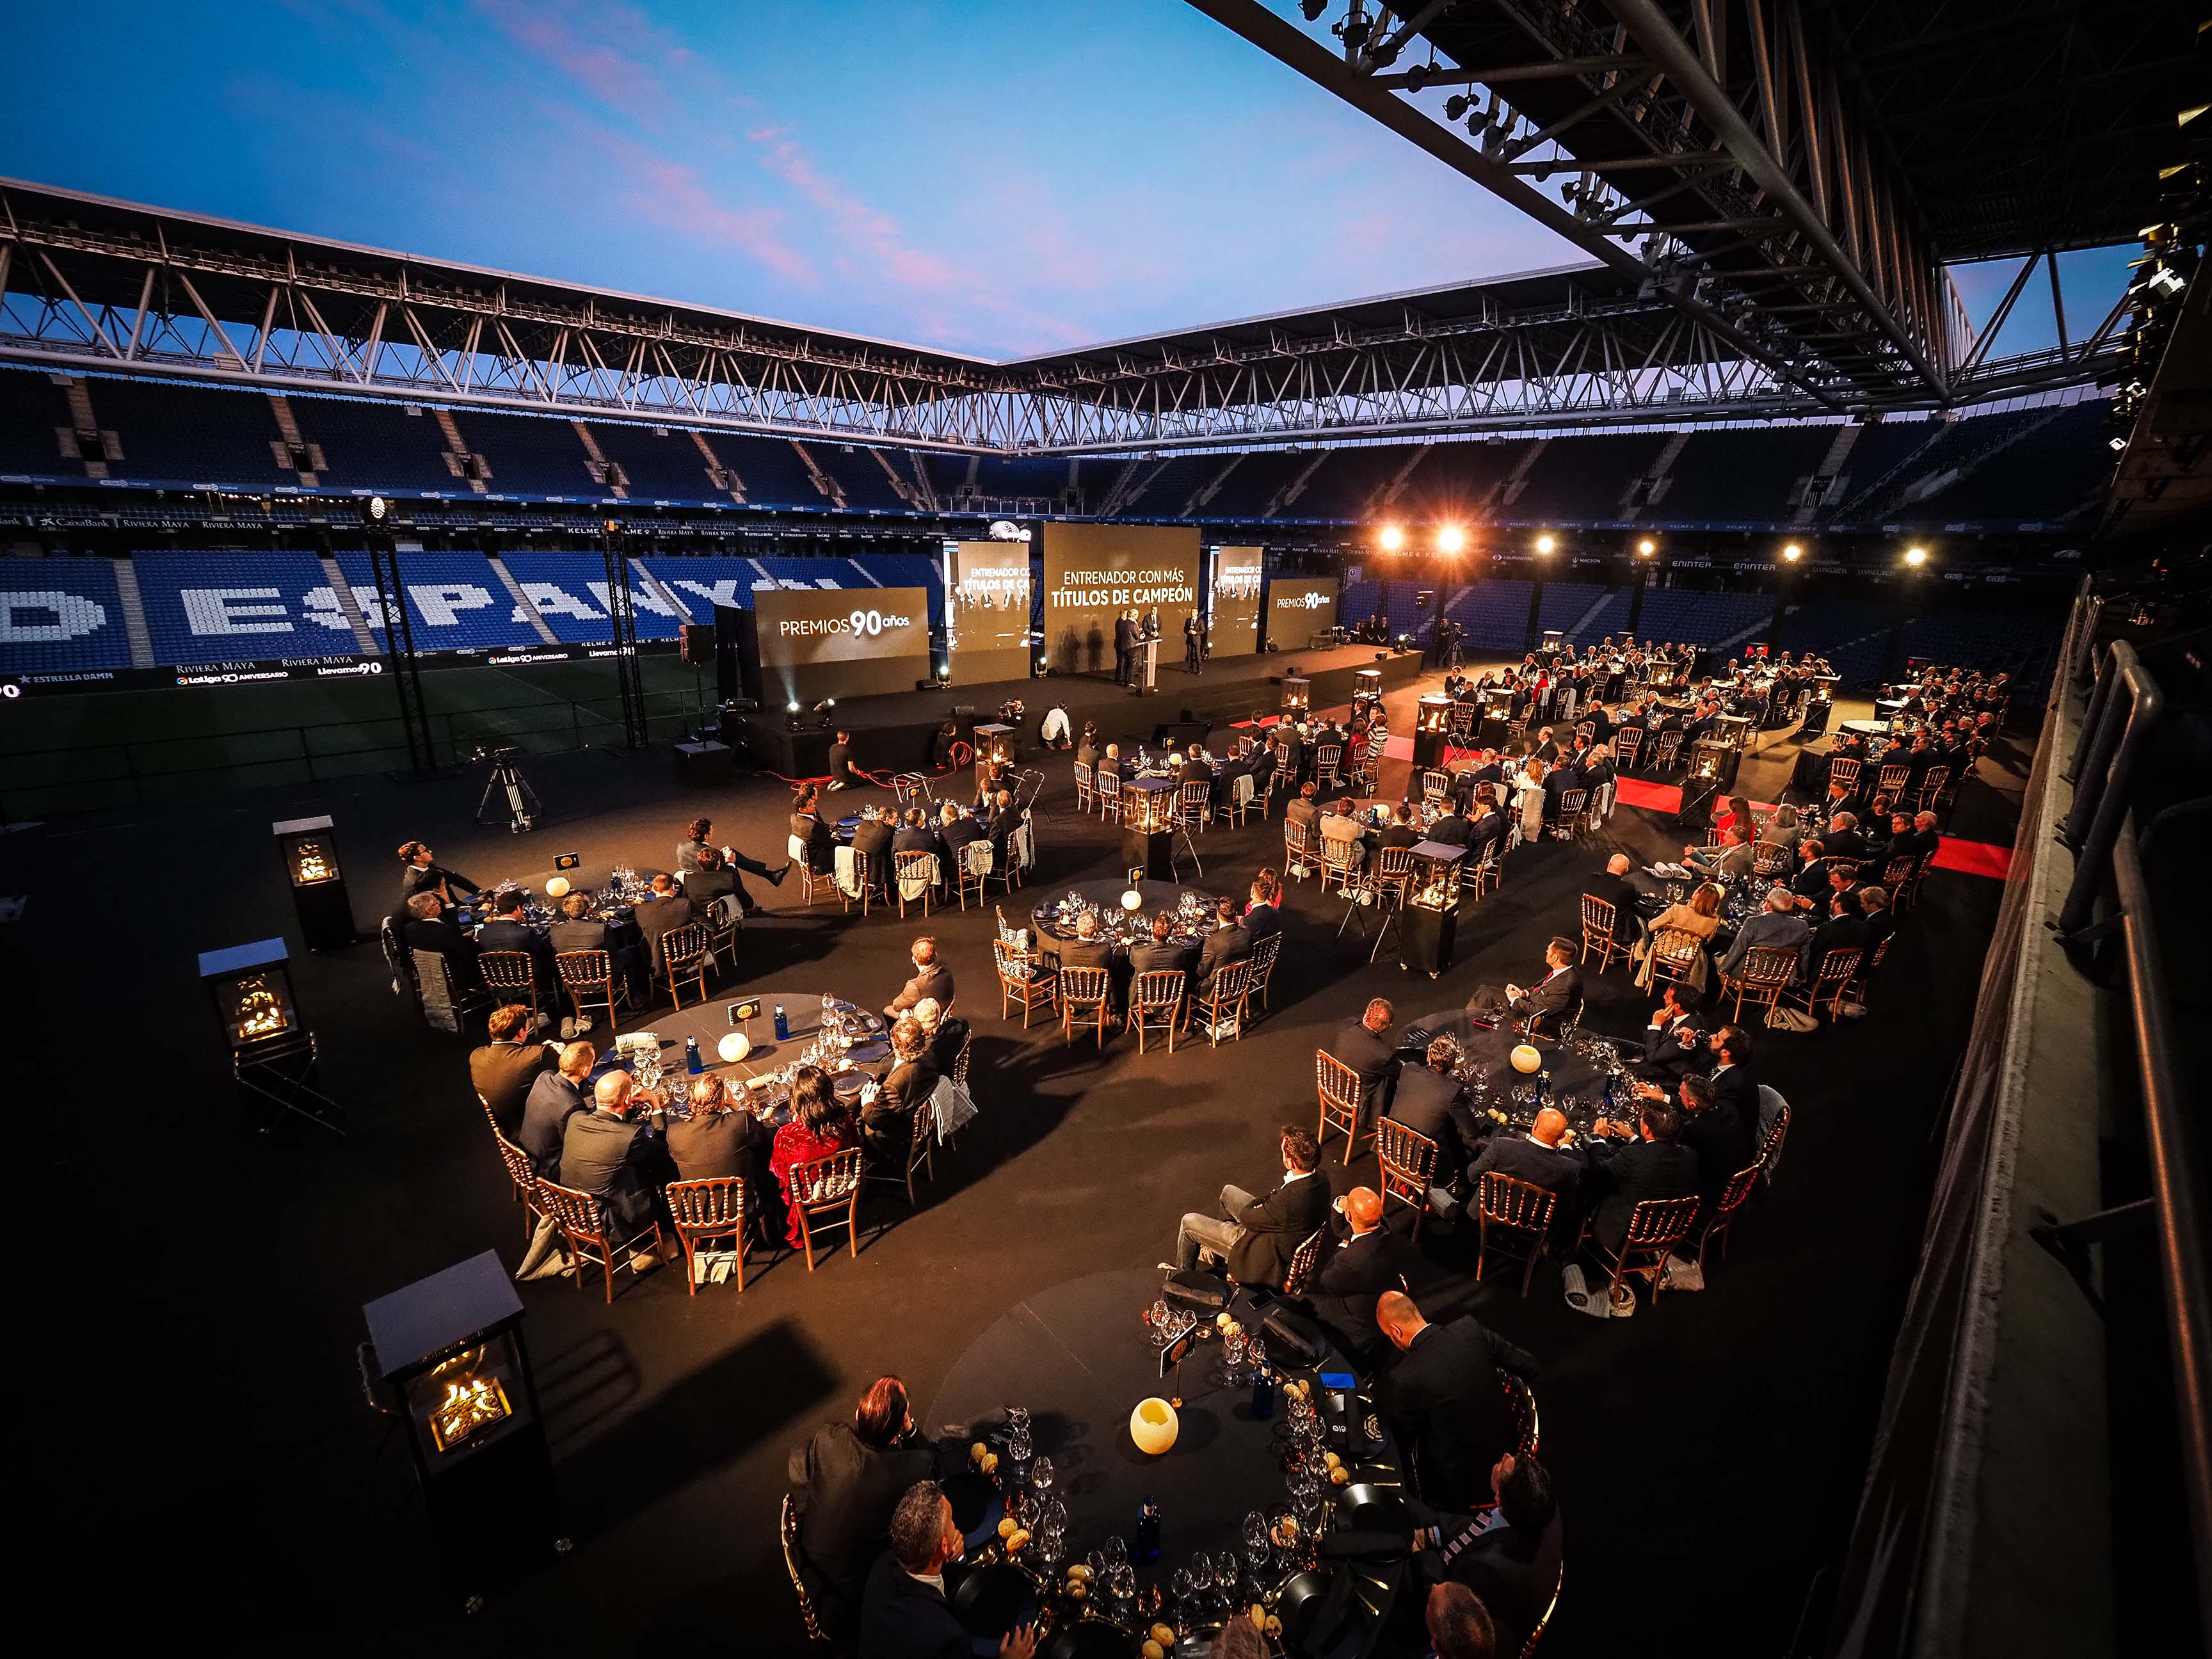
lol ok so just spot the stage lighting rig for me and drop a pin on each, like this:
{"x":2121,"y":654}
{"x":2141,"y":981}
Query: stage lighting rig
{"x":1313,"y":10}
{"x":1792,"y":553}
{"x":1915,"y":557}
{"x":1646,"y":547}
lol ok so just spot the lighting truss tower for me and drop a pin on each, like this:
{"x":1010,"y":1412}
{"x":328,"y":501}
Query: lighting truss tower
{"x":399,"y":659}
{"x":623,"y":615}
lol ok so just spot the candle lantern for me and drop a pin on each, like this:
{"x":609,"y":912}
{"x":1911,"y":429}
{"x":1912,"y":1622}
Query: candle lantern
{"x":993,"y":743}
{"x":1148,"y":811}
{"x":251,"y":985}
{"x":1430,"y":936}
{"x":1298,"y":695}
{"x":1431,"y":732}
{"x":1366,"y":688}
{"x":449,"y":1356}
{"x":309,"y":849}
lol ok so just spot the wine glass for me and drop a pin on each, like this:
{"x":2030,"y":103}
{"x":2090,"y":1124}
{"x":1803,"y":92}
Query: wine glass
{"x":1117,"y":1553}
{"x":1018,"y":1447}
{"x":1179,"y":1587}
{"x":1052,"y":1544}
{"x":1232,"y":1356}
{"x":1041,"y":1477}
{"x":1123,"y":1583}
{"x":1255,"y":1539}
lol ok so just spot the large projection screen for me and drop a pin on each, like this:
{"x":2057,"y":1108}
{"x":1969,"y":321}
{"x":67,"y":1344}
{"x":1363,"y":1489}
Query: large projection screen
{"x":1299,"y":607}
{"x":988,"y":611}
{"x":1094,"y":572}
{"x":842,"y":642}
{"x":1233,"y":594}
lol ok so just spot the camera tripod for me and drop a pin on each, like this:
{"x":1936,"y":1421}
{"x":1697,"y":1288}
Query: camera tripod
{"x":523,"y":807}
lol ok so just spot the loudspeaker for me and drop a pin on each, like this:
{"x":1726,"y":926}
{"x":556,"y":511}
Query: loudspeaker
{"x":696,"y":644}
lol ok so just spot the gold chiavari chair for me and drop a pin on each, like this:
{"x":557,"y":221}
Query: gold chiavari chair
{"x":812,"y":882}
{"x":1156,"y":1005}
{"x":1264,"y":955}
{"x":1933,"y":786}
{"x":1302,"y":1263}
{"x":585,"y":1223}
{"x":1761,"y":977}
{"x":824,"y":1187}
{"x":1407,"y":1161}
{"x":1194,"y":804}
{"x":1831,"y":977}
{"x":1107,"y":788}
{"x":709,"y":1209}
{"x":1435,"y":786}
{"x":787,"y":1535}
{"x":1220,"y":1006}
{"x":1675,"y":952}
{"x":907,"y":868}
{"x":972,"y":869}
{"x":1566,"y":823}
{"x":1328,"y":759}
{"x":588,"y":977}
{"x":1716,"y":1226}
{"x":1338,"y":1085}
{"x":1857,"y":990}
{"x":1087,"y":992}
{"x":1516,"y":1209}
{"x":1528,"y":1647}
{"x":1769,"y":860}
{"x":1022,"y":980}
{"x":525,"y":1179}
{"x":1600,"y":923}
{"x":1655,"y":1227}
{"x":1891,"y":779}
{"x":1087,"y":797}
{"x":1664,"y":748}
{"x":870,"y":878}
{"x":1844,"y":770}
{"x":510,"y":976}
{"x":1626,"y":743}
{"x":1298,"y":859}
{"x":684,"y":955}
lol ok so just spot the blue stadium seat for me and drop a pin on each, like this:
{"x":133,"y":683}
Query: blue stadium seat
{"x":1254,"y":483}
{"x":1852,"y":633}
{"x":60,"y":616}
{"x":376,"y":446}
{"x":1739,"y":476}
{"x":2048,"y":476}
{"x":1453,"y":481}
{"x":211,"y":606}
{"x":31,"y":410}
{"x":862,"y":477}
{"x":700,"y":584}
{"x":570,"y":591}
{"x":1581,"y":479}
{"x":1564,"y":603}
{"x":177,"y":433}
{"x":1610,"y":621}
{"x":529,"y":454}
{"x":456,"y":600}
{"x":1342,"y":486}
{"x":774,"y":475}
{"x":1700,"y":619}
{"x":658,"y":468}
{"x":1494,"y":613}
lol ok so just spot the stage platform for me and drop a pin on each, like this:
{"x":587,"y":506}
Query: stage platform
{"x":896,"y":733}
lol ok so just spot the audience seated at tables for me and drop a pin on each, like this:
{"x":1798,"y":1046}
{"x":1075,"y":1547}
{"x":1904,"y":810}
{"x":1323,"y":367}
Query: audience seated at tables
{"x":1432,"y":1103}
{"x":811,"y":832}
{"x":1630,"y":1163}
{"x":871,"y":839}
{"x":555,"y":1096}
{"x":1699,"y":915}
{"x":609,"y":1153}
{"x":1089,"y":948}
{"x":1304,"y":809}
{"x":697,"y":839}
{"x":1777,"y":924}
{"x":1842,"y":839}
{"x":710,"y":879}
{"x":1550,"y":1000}
{"x":1881,"y":920}
{"x":719,"y":1139}
{"x":578,"y":929}
{"x":1231,"y":941}
{"x":663,"y":909}
{"x":916,"y":834}
{"x":507,"y":931}
{"x":504,"y":1069}
{"x":1400,"y":832}
{"x":1342,"y":836}
{"x":1195,"y":768}
{"x":1739,"y":816}
{"x":947,"y":1033}
{"x":1162,"y":952}
{"x":819,"y":1126}
{"x":1783,"y":830}
{"x":430,"y":928}
{"x":1446,"y":1399}
{"x":1509,"y":1558}
{"x":1257,"y":1236}
{"x":932,"y":978}
{"x":1005,"y":823}
{"x":1109,"y":764}
{"x":1614,"y":888}
{"x":1675,"y":1041}
{"x":1732,"y":1079}
{"x":1263,"y":917}
{"x":846,"y":1481}
{"x":1366,"y":1045}
{"x":1451,"y":829}
{"x":1360,"y":1258}
{"x":903,"y":1611}
{"x":1808,"y":882}
{"x":1838,"y":925}
{"x":887,"y":1108}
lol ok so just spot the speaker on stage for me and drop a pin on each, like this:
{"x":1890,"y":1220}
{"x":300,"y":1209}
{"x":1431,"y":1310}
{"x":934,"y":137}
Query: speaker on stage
{"x":696,"y":643}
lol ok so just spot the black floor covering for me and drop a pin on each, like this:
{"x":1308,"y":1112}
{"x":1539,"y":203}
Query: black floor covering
{"x":192,"y":1396}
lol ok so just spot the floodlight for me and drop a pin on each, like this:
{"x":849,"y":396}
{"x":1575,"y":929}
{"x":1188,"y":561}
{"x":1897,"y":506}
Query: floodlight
{"x":1793,"y":553}
{"x":1646,"y":547}
{"x":2166,"y":280}
{"x":1392,"y":538}
{"x":1545,"y":543}
{"x":1313,"y":8}
{"x":1450,"y":539}
{"x":1416,"y":77}
{"x":1456,"y":106}
{"x":1915,"y":557}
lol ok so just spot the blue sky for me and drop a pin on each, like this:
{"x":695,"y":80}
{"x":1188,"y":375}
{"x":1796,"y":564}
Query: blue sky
{"x":989,"y":177}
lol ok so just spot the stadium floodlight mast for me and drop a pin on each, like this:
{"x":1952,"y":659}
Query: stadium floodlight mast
{"x":1450,"y":539}
{"x":1392,"y":538}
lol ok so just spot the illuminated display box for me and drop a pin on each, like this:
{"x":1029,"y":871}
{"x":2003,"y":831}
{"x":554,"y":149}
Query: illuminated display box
{"x":1297,"y":695}
{"x":251,"y":985}
{"x":309,"y":850}
{"x":1431,"y":731}
{"x":1436,"y":875}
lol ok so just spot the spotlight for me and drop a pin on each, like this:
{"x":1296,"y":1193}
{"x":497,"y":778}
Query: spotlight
{"x":1313,"y":8}
{"x":1545,"y":544}
{"x":1392,"y":538}
{"x":1646,"y":547}
{"x":2166,"y":280}
{"x":791,"y":708}
{"x":1456,"y":106}
{"x":1915,"y":557}
{"x":1793,"y":553}
{"x":1416,"y":77}
{"x":1450,"y":539}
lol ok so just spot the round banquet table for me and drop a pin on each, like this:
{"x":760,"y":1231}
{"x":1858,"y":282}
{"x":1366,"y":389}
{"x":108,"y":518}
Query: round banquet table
{"x":1121,"y":924}
{"x":1076,"y":1356}
{"x":1578,"y":1078}
{"x":710,"y":1022}
{"x":586,"y":878}
{"x":1872,"y":731}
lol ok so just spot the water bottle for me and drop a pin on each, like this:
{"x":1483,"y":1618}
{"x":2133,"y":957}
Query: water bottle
{"x":1263,"y":1390}
{"x":1148,"y":1531}
{"x":691,"y":1061}
{"x":782,"y":1026}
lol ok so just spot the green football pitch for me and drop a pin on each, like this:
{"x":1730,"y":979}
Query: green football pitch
{"x":81,"y":753}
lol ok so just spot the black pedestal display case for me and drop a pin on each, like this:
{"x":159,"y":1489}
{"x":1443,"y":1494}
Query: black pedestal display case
{"x":1427,"y":940}
{"x":1150,"y":850}
{"x":450,"y":1358}
{"x":309,"y":849}
{"x":1429,"y":751}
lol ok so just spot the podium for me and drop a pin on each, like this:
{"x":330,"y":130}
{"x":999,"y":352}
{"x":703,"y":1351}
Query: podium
{"x":1148,"y":666}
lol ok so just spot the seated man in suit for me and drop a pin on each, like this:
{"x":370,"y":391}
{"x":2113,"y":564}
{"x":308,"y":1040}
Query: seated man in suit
{"x":1732,"y":1083}
{"x":1725,"y":1140}
{"x":871,"y":838}
{"x":555,"y":1097}
{"x":1630,"y":1164}
{"x":1366,"y":1046}
{"x":887,"y":1109}
{"x":1304,"y":809}
{"x":809,"y":827}
{"x":1400,"y":832}
{"x":1546,"y":1004}
{"x":1195,"y":768}
{"x":1257,"y":1236}
{"x":1109,"y":764}
{"x":841,"y":762}
{"x":507,"y":931}
{"x":1429,"y":1101}
{"x":1342,"y":836}
{"x":1163,"y":952}
{"x":918,"y":834}
{"x":846,"y":1481}
{"x":1880,"y":920}
{"x":1615,"y":888}
{"x":1445,"y":1400}
{"x":665,"y":909}
{"x":1838,"y":925}
{"x":1005,"y":821}
{"x":1730,"y":861}
{"x":1777,"y":924}
{"x":1510,"y":1559}
{"x":957,"y":827}
{"x":430,"y":928}
{"x":504,"y":1068}
{"x":609,"y":1153}
{"x":932,"y":978}
{"x":1231,"y":941}
{"x":1450,"y":831}
{"x":1842,"y":839}
{"x":1675,"y":1040}
{"x":1222,"y":787}
{"x":710,"y":880}
{"x":578,"y":929}
{"x":1537,"y":1158}
{"x":423,"y":873}
{"x":1360,"y":1260}
{"x":903,"y":1612}
{"x":698,"y":837}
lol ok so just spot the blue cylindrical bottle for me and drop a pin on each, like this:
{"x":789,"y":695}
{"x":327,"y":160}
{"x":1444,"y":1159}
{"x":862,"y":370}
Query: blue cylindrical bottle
{"x":1263,"y":1391}
{"x":782,"y":1026}
{"x":691,"y":1061}
{"x":1148,"y":1531}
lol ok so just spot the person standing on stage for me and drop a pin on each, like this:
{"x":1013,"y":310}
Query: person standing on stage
{"x":1194,"y":650}
{"x":1125,"y":645}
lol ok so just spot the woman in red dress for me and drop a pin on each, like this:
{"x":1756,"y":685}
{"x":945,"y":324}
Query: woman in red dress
{"x":819,"y":1126}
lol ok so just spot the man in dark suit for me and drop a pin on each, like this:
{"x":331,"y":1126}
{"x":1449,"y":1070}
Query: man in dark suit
{"x":1195,"y":768}
{"x":1842,"y":928}
{"x":841,"y":762}
{"x":1880,"y":920}
{"x":1400,"y":832}
{"x":871,"y":835}
{"x":1724,"y":1139}
{"x":903,"y":1612}
{"x":578,"y":929}
{"x":1842,"y":839}
{"x":918,"y":834}
{"x":810,"y":829}
{"x":710,"y":879}
{"x":1536,"y":1157}
{"x":845,"y":1482}
{"x":1005,"y":820}
{"x":1360,"y":1260}
{"x":1088,"y":949}
{"x":607,"y":1153}
{"x":665,"y":909}
{"x":1446,"y":1399}
{"x":1193,"y":644}
{"x":1257,"y":1236}
{"x":430,"y":928}
{"x":956,"y":829}
{"x":1776,"y":925}
{"x":932,"y":978}
{"x":1675,"y":1041}
{"x":1124,"y":647}
{"x":1624,"y":1172}
{"x":887,"y":1109}
{"x":1615,"y":888}
{"x":1366,"y":1045}
{"x":424,"y":874}
{"x":1733,"y":1086}
{"x":555,"y":1096}
{"x":1229,"y":942}
{"x":1305,"y":810}
{"x":1450,"y":831}
{"x":1510,"y":1558}
{"x":1547,"y":1003}
{"x":1163,"y":952}
{"x":507,"y":931}
{"x":1429,"y":1101}
{"x":504,"y":1068}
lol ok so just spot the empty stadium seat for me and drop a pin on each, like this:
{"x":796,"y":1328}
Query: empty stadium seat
{"x":210,"y":606}
{"x":657,"y":463}
{"x":32,"y":409}
{"x":456,"y":601}
{"x":61,"y":616}
{"x":1494,"y":612}
{"x":376,"y":446}
{"x":1581,"y":479}
{"x":1738,"y":476}
{"x":570,"y":591}
{"x":1700,"y":619}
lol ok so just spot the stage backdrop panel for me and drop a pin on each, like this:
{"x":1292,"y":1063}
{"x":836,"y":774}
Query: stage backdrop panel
{"x":988,"y":611}
{"x":1234,"y":594}
{"x":1299,"y":607}
{"x":1094,"y":572}
{"x":855,"y":642}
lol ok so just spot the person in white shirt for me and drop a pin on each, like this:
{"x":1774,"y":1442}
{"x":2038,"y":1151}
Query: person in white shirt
{"x":1257,"y":1236}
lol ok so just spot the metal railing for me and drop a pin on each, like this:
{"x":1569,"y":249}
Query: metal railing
{"x":2123,"y":712}
{"x":96,"y":776}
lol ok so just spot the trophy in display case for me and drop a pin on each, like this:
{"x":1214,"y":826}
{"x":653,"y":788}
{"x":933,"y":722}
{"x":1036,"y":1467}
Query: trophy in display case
{"x":1431,"y":732}
{"x":993,"y":743}
{"x":1431,"y":934}
{"x":1366,"y":690}
{"x":309,"y":849}
{"x":1713,"y":763}
{"x":1297,"y":696}
{"x":272,"y":1052}
{"x":1148,"y":818}
{"x":450,"y":1363}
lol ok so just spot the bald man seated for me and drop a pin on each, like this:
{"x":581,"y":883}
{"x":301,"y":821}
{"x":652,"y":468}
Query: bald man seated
{"x":1538,"y":1157}
{"x":608,"y":1152}
{"x":1445,"y":1400}
{"x":1360,"y":1260}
